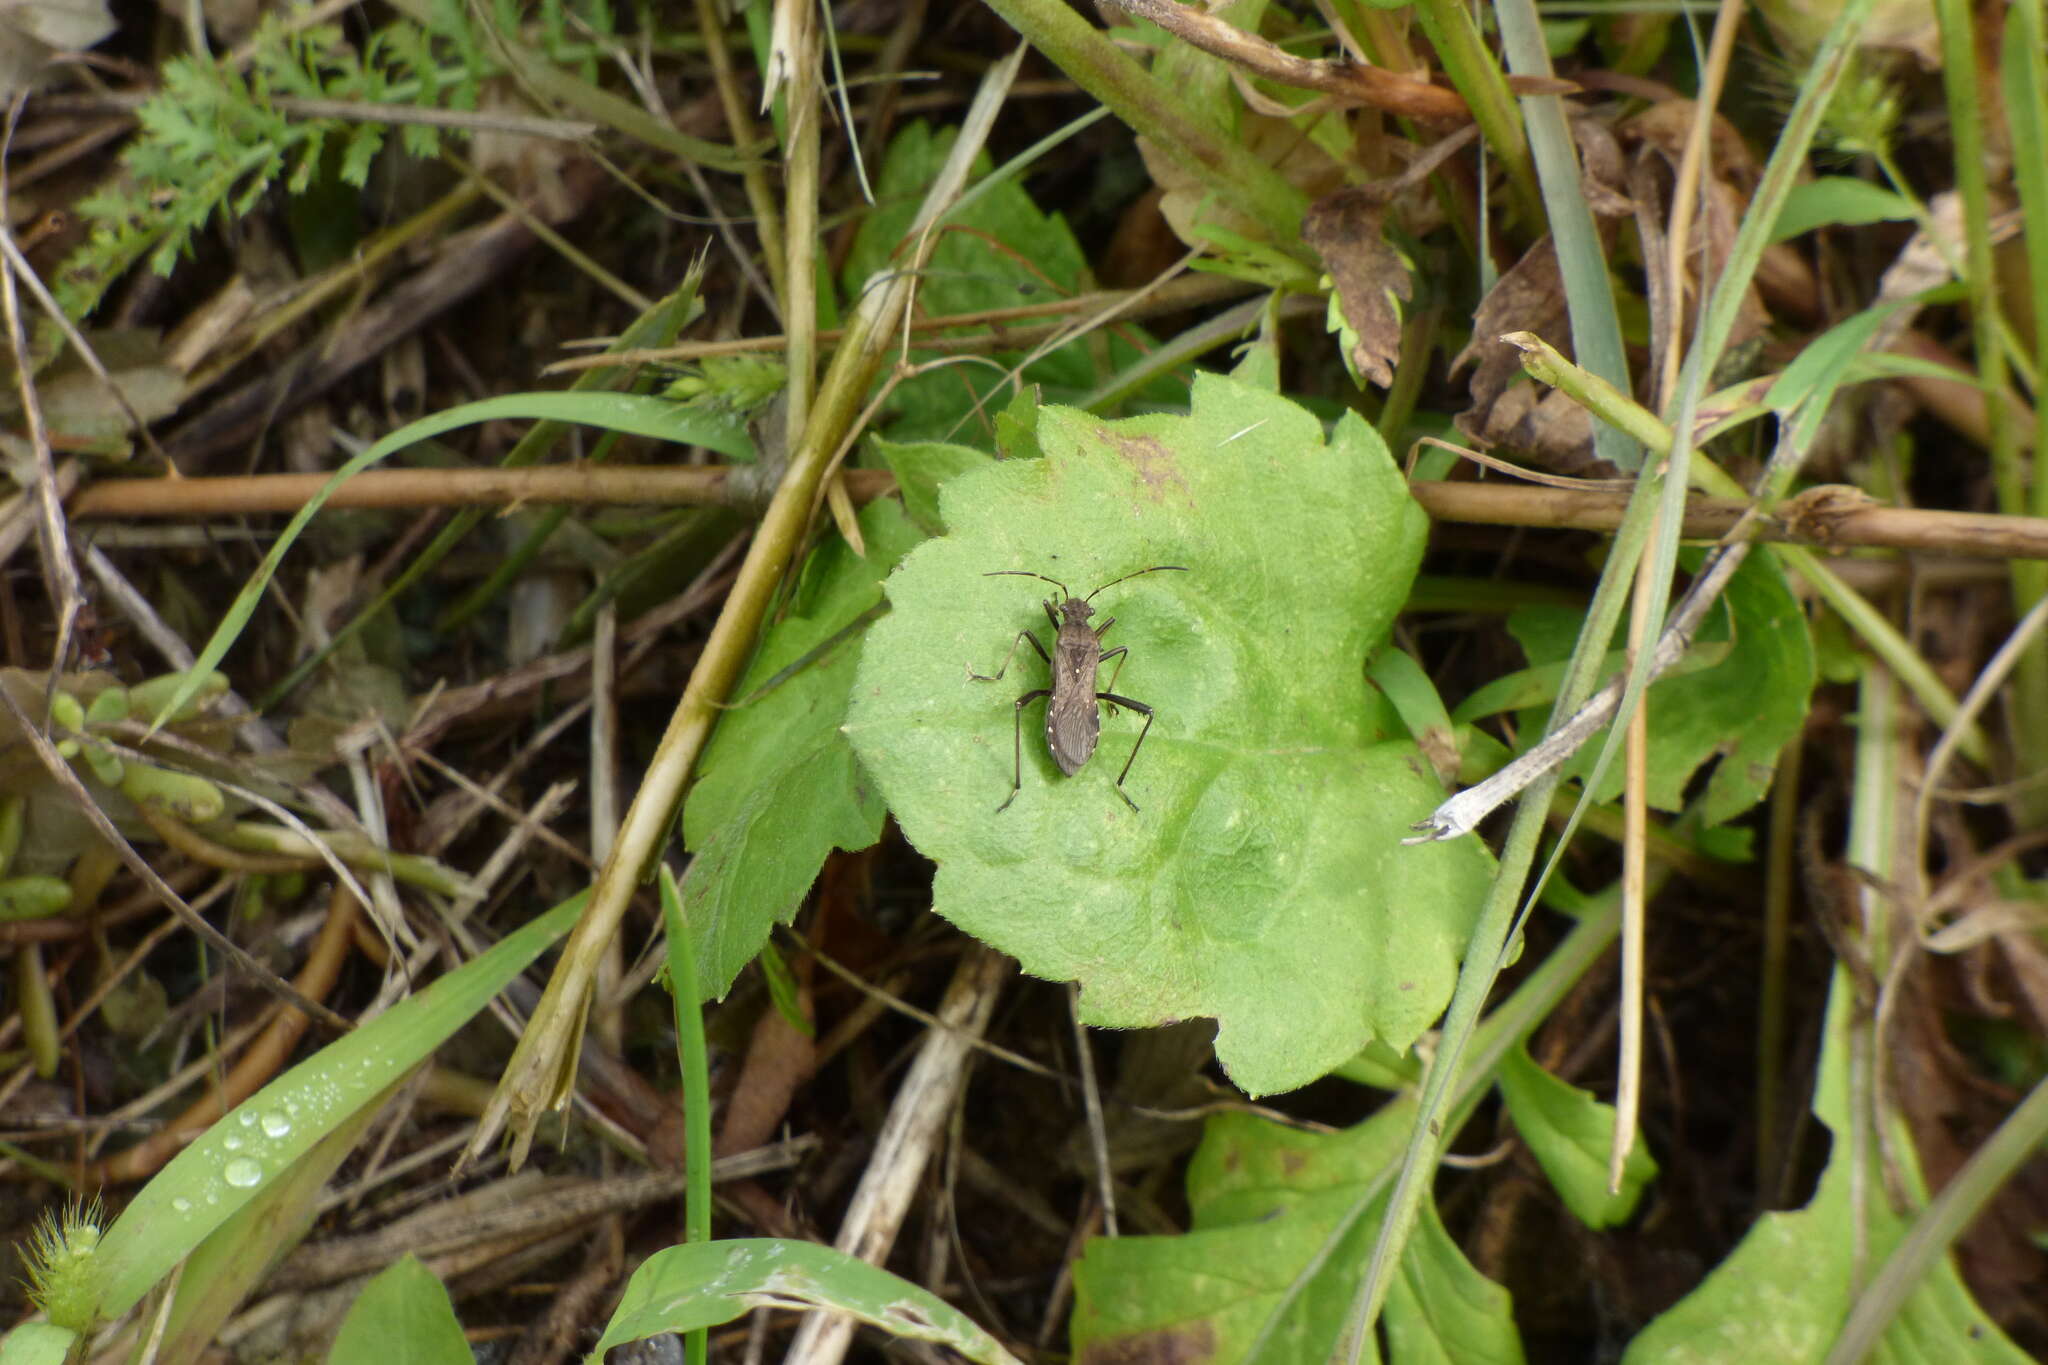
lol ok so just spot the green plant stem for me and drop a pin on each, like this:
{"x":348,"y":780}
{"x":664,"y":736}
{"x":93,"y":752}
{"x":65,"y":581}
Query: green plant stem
{"x":801,"y":190}
{"x":2028,"y":706}
{"x":1477,"y":77}
{"x":529,"y":450}
{"x":1968,"y":1193}
{"x":1097,"y":65}
{"x":1581,"y":255}
{"x":355,"y":850}
{"x":693,"y":1057}
{"x":1883,"y":639}
{"x":2026,"y":101}
{"x":1426,"y":1141}
{"x":1182,"y":349}
{"x":542,"y":1067}
{"x":1781,"y":885}
{"x":1490,"y":939}
{"x":739,"y":118}
{"x":1494,"y":935}
{"x":1510,"y":1023}
{"x":1612,"y":407}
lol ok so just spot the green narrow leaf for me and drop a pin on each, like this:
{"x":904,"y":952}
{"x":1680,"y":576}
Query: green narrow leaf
{"x":1413,"y":696}
{"x":633,"y":414}
{"x":686,"y":1288}
{"x":223,"y":1270}
{"x":1837,"y":201}
{"x":235,"y":1159}
{"x":1808,"y":384}
{"x":1571,"y":1135}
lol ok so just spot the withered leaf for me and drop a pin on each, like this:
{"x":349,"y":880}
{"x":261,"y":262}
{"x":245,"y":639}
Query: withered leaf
{"x":1508,"y":408}
{"x":1371,"y":278}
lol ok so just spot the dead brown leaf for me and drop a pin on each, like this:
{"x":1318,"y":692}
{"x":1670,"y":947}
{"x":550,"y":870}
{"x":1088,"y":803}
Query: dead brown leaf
{"x":1372,"y":280}
{"x":1660,"y":133}
{"x":1508,"y":408}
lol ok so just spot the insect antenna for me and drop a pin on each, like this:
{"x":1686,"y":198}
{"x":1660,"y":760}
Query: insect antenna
{"x":1026,"y":573}
{"x":1156,"y":568}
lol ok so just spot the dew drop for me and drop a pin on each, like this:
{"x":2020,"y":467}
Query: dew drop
{"x":231,"y":1143}
{"x":276,"y":1125}
{"x":241,"y":1172}
{"x":181,"y":1205}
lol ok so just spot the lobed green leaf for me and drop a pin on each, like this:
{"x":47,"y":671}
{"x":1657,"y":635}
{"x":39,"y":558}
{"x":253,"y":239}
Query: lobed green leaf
{"x":1263,"y":882}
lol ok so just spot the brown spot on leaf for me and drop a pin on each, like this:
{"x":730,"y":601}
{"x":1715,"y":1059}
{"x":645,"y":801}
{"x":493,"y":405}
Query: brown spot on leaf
{"x":1172,"y":1346}
{"x":1157,"y":467}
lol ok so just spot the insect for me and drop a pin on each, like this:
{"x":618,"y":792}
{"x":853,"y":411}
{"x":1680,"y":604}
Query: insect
{"x":1071,"y":720}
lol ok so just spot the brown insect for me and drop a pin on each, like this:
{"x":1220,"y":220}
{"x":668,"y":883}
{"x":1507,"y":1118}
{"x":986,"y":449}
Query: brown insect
{"x":1072,"y":723}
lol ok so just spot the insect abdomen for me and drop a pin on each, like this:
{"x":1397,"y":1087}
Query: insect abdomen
{"x":1070,"y":732}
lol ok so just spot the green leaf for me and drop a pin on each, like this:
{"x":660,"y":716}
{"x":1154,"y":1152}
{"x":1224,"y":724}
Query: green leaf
{"x":701,"y":1285}
{"x":238,"y":1157}
{"x":1000,"y":251}
{"x":35,"y":896}
{"x":921,"y":468}
{"x":1537,"y":685}
{"x":1821,"y":367}
{"x":1743,"y":710}
{"x":403,"y":1317}
{"x":781,"y":787}
{"x":1017,"y":426}
{"x":1266,"y":1201}
{"x":1783,"y":1293}
{"x":1263,"y":883}
{"x":1571,"y":1135}
{"x":1412,"y":695}
{"x":1440,"y":1310}
{"x":1837,"y":201}
{"x":236,"y":1257}
{"x":633,"y":414}
{"x":37,"y":1343}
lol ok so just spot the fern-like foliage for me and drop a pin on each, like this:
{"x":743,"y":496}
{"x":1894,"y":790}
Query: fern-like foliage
{"x":213,"y":140}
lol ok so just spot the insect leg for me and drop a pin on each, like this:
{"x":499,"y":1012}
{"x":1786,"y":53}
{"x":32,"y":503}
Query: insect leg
{"x":1142,"y":710}
{"x":998,"y":674}
{"x":1017,"y":772}
{"x":1123,"y":655}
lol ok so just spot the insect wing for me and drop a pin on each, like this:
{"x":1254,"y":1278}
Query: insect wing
{"x":1071,"y":720}
{"x":1071,"y":725}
